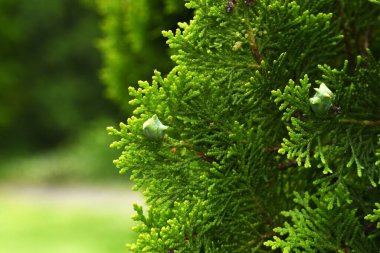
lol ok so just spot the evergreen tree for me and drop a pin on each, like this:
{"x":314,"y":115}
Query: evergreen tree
{"x":234,"y":149}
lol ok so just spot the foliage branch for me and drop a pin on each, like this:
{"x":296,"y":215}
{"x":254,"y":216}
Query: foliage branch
{"x":254,"y":159}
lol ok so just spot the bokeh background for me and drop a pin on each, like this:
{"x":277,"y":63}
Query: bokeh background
{"x":65,"y":67}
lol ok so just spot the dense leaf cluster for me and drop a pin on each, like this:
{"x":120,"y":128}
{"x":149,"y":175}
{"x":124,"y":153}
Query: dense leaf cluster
{"x":247,"y":165}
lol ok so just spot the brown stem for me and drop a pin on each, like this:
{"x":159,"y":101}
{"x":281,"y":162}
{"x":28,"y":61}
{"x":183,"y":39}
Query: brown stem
{"x":254,"y":49}
{"x":372,"y":123}
{"x":350,"y":55}
{"x":200,"y":154}
{"x":273,"y":149}
{"x":288,"y":164}
{"x":367,"y":39}
{"x":263,"y":211}
{"x":205,"y":158}
{"x":252,"y":42}
{"x":263,"y":237}
{"x":356,"y":37}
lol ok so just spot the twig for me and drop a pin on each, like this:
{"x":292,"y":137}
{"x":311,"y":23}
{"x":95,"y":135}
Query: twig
{"x":254,"y":49}
{"x":374,"y":123}
{"x":286,"y":165}
{"x":350,"y":55}
{"x":252,"y":42}
{"x":273,"y":149}
{"x":367,"y":38}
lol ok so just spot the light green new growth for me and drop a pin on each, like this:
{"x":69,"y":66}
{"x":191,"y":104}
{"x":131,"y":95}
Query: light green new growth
{"x":250,"y":164}
{"x":375,"y":217}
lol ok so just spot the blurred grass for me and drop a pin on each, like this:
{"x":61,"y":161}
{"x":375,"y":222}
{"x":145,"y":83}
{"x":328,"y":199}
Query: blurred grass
{"x":70,"y":199}
{"x":30,"y":224}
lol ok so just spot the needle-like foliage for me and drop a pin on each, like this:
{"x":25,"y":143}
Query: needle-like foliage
{"x":253,"y":159}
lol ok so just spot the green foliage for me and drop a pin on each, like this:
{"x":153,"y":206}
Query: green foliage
{"x":317,"y":227}
{"x":375,"y":217}
{"x":131,"y":43}
{"x":243,"y":137}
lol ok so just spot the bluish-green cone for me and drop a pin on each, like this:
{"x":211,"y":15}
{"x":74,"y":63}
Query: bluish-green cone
{"x":323,"y":99}
{"x":154,"y":129}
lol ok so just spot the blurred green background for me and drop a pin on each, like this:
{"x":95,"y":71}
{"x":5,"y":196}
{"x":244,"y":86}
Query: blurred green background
{"x":65,"y":66}
{"x":51,"y":99}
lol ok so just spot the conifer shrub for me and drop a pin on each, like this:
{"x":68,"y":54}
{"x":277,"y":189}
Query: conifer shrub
{"x":265,"y":136}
